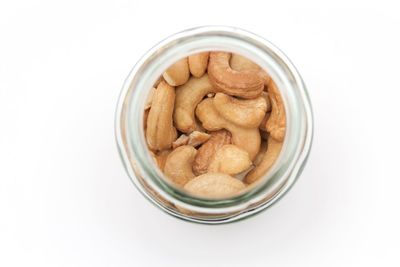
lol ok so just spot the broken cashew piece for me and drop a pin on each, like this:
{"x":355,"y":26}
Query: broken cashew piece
{"x":178,"y":166}
{"x":276,"y":124}
{"x":178,"y":73}
{"x":198,"y":64}
{"x":246,"y":138}
{"x":214,"y":185}
{"x":243,"y":112}
{"x":208,"y":149}
{"x":245,"y":84}
{"x":269,"y":158}
{"x":197,"y":138}
{"x":160,"y":132}
{"x":181,"y":141}
{"x":230,"y":159}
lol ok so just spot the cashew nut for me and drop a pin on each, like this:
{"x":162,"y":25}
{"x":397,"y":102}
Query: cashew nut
{"x":276,"y":124}
{"x":246,"y":138}
{"x":247,"y":113}
{"x":160,"y":132}
{"x":261,"y":153}
{"x":273,"y":149}
{"x":161,"y":158}
{"x":197,"y":138}
{"x":178,"y":73}
{"x":198,"y":64}
{"x":181,"y":141}
{"x":208,"y":149}
{"x":149,"y":99}
{"x":246,"y":84}
{"x":230,"y":159}
{"x":241,"y":63}
{"x":214,"y":185}
{"x":187,"y":98}
{"x":178,"y":166}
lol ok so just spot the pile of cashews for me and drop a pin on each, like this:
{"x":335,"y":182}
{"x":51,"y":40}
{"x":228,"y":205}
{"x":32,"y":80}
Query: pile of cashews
{"x":214,"y":123}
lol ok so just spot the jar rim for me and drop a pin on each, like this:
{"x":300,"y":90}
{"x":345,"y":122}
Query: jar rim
{"x":132,"y":145}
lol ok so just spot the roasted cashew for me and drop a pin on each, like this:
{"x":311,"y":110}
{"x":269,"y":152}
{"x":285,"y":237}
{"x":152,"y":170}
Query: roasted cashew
{"x":273,"y":149}
{"x":241,"y":63}
{"x":181,"y":141}
{"x":276,"y":124}
{"x":198,"y":64}
{"x":243,"y":112}
{"x":178,"y":73}
{"x":261,"y":153}
{"x":208,"y":149}
{"x":197,"y":138}
{"x":246,"y":84}
{"x":178,"y":166}
{"x":214,"y":185}
{"x":230,"y":159}
{"x":161,"y":158}
{"x":149,"y":99}
{"x":246,"y":138}
{"x":187,"y":98}
{"x":160,"y":132}
{"x":194,"y":139}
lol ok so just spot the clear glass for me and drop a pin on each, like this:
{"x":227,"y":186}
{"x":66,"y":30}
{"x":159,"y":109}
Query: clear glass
{"x":148,"y":178}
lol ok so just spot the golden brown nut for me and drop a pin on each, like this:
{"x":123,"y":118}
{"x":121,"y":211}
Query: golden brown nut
{"x":208,"y":149}
{"x":178,"y":73}
{"x":230,"y":159}
{"x":178,"y":166}
{"x":276,"y":124}
{"x":181,"y":141}
{"x":243,"y":112}
{"x":246,"y":138}
{"x":198,"y":64}
{"x":149,"y":99}
{"x":197,"y":138}
{"x":160,"y":132}
{"x":161,"y":158}
{"x":269,"y":158}
{"x":241,"y":63}
{"x":245,"y":84}
{"x":187,"y":98}
{"x":214,"y":185}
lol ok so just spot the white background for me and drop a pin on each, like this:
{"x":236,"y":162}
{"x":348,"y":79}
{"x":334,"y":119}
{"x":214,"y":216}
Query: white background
{"x":65,"y":199}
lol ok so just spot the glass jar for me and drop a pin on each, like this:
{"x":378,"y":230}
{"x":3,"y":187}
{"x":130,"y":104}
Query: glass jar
{"x":142,"y":169}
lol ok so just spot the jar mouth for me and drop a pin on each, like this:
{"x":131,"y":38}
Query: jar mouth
{"x":131,"y":140}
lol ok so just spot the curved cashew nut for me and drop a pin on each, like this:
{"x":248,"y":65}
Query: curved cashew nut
{"x":160,"y":132}
{"x":246,"y":113}
{"x":276,"y":124}
{"x":273,"y":149}
{"x":198,"y":64}
{"x":208,"y":149}
{"x":214,"y":185}
{"x":230,"y":159}
{"x":178,"y":73}
{"x":187,"y":98}
{"x":246,"y":138}
{"x":246,"y":84}
{"x":178,"y":166}
{"x":241,"y":63}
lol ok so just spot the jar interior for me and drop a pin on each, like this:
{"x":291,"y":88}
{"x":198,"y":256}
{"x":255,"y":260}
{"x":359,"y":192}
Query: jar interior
{"x":214,"y":124}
